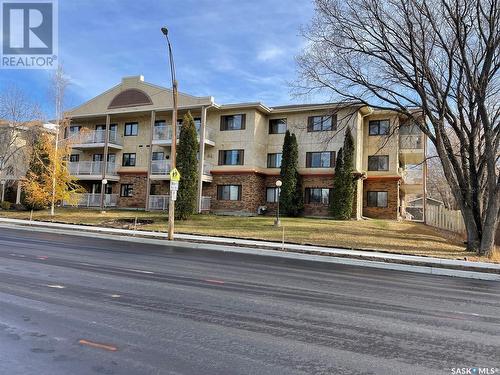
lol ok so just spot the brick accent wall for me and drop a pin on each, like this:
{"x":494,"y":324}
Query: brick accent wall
{"x":252,"y":192}
{"x":392,"y":188}
{"x":139,"y":182}
{"x":316,"y":209}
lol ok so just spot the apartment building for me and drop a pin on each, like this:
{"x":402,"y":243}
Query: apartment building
{"x":122,"y":139}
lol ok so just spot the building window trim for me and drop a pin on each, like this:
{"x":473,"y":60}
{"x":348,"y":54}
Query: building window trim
{"x":378,"y":168}
{"x":312,"y":194}
{"x":128,"y":160}
{"x":227,"y":192}
{"x":325,"y":122}
{"x":224,"y":122}
{"x":273,"y":160}
{"x":375,"y":129}
{"x":310,"y":159}
{"x":274,"y":126}
{"x":272,"y":192}
{"x":373,"y":200}
{"x":131,"y":129}
{"x":126,"y":190}
{"x":240,"y":158}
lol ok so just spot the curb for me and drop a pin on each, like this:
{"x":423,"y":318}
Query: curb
{"x":419,"y":264}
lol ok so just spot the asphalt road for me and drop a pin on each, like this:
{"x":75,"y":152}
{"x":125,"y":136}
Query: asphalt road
{"x":75,"y":305}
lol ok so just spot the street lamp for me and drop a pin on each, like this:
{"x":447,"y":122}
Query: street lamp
{"x":171,"y":204}
{"x":277,"y":222}
{"x":103,"y":194}
{"x":3,"y":188}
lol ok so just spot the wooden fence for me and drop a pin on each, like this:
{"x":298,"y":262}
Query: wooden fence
{"x":440,"y":217}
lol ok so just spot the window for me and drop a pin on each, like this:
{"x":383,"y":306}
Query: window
{"x":321,"y":123}
{"x":97,"y":157}
{"x":377,"y":199}
{"x":272,"y":194}
{"x":74,"y":158}
{"x":317,"y":196}
{"x":128,"y":160}
{"x":74,"y":130}
{"x":231,"y":157}
{"x":154,"y":189}
{"x":229,"y":192}
{"x":320,"y":159}
{"x":131,"y":128}
{"x":126,"y":190}
{"x":197,"y":123}
{"x":158,"y":155}
{"x":378,"y":163}
{"x":274,"y":160}
{"x":277,"y":126}
{"x":232,"y":122}
{"x":378,"y":127}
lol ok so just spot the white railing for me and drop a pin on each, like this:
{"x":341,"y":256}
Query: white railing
{"x":91,"y":168}
{"x":94,"y":200}
{"x":160,"y":167}
{"x":164,"y":133}
{"x":411,"y":142}
{"x":158,"y":202}
{"x":207,"y":169}
{"x":205,"y":204}
{"x":441,"y":217}
{"x":94,"y":136}
{"x":413,"y":176}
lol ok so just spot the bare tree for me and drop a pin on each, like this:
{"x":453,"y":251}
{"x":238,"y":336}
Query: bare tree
{"x":19,"y":124}
{"x":442,"y":56}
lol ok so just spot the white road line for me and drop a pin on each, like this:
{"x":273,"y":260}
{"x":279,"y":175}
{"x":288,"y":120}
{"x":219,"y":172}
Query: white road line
{"x":139,"y":271}
{"x":115,"y":296}
{"x":56,"y":286}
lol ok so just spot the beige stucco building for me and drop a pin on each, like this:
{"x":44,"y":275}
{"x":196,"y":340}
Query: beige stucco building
{"x":123,"y":137}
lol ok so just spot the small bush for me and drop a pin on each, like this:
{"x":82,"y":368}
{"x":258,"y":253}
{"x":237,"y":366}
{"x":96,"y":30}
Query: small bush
{"x":5,"y":205}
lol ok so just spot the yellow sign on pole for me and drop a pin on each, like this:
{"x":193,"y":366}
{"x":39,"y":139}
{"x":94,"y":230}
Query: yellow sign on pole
{"x":175,"y":175}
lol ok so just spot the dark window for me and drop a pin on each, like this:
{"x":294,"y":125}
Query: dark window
{"x":321,"y":123}
{"x":277,"y":126}
{"x":231,"y":157}
{"x":160,"y":123}
{"x":74,"y":158}
{"x":274,"y":160}
{"x":100,"y":127}
{"x":272,"y":194}
{"x":128,"y":160}
{"x":97,"y":157}
{"x":232,"y":122}
{"x":378,"y":127}
{"x":229,"y":192}
{"x":377,"y":198}
{"x":317,"y":195}
{"x":158,"y":155}
{"x":378,"y":163}
{"x":131,"y":128}
{"x":324,"y":159}
{"x":154,"y":189}
{"x":74,"y":130}
{"x":126,"y":190}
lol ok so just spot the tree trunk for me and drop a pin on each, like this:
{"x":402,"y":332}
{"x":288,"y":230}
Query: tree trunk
{"x":489,"y":228}
{"x":473,"y":235}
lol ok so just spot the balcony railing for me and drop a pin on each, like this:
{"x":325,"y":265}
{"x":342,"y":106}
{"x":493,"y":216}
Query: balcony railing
{"x":205,"y":203}
{"x":91,"y":168}
{"x":411,"y":142}
{"x":94,"y":200}
{"x":164,"y":133}
{"x":207,"y":169}
{"x":94,"y":136}
{"x":413,"y":177}
{"x":158,"y":202}
{"x":160,"y":167}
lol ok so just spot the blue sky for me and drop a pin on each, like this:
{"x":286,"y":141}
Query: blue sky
{"x":234,"y":50}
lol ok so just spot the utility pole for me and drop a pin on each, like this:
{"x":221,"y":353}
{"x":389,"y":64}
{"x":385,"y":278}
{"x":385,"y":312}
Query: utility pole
{"x":171,"y":203}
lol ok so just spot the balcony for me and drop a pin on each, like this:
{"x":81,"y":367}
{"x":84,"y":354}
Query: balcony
{"x":94,"y":200}
{"x":413,"y":177}
{"x":95,"y":139}
{"x":207,"y":172}
{"x":160,"y":202}
{"x":411,"y":148}
{"x":160,"y":169}
{"x":92,"y":170}
{"x":162,"y":135}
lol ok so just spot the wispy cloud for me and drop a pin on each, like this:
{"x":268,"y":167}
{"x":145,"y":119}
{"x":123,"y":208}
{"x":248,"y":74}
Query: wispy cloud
{"x":270,"y":53}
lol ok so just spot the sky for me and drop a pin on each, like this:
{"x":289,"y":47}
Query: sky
{"x":234,"y":50}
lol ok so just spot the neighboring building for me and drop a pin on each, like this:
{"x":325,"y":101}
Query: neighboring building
{"x":240,"y":152}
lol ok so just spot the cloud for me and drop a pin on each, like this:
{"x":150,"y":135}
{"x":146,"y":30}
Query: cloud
{"x":270,"y":53}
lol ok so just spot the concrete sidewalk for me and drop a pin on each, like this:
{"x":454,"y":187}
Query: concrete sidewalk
{"x":448,"y":267}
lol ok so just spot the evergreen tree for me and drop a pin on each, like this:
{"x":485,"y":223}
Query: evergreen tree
{"x":187,"y":164}
{"x":290,"y":197}
{"x":343,"y":181}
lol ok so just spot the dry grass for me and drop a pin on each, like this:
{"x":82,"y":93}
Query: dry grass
{"x":385,"y":235}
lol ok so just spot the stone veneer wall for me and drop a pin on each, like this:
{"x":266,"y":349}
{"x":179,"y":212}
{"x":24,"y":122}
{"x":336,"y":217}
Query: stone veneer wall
{"x":139,"y":182}
{"x":392,"y":188}
{"x":252,"y":192}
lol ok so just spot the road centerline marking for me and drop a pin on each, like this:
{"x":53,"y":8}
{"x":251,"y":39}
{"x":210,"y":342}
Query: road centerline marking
{"x":212,"y":281}
{"x":55,"y":286}
{"x":98,"y":345}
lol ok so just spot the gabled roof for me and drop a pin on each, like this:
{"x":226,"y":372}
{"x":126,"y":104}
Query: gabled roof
{"x":135,"y":95}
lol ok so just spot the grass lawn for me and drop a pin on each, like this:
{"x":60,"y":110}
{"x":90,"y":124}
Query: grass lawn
{"x":386,"y":235}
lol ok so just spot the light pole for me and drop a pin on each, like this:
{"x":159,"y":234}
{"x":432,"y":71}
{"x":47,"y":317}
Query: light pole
{"x":3,"y":189}
{"x":277,"y":222}
{"x":104,"y":182}
{"x":171,"y":203}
